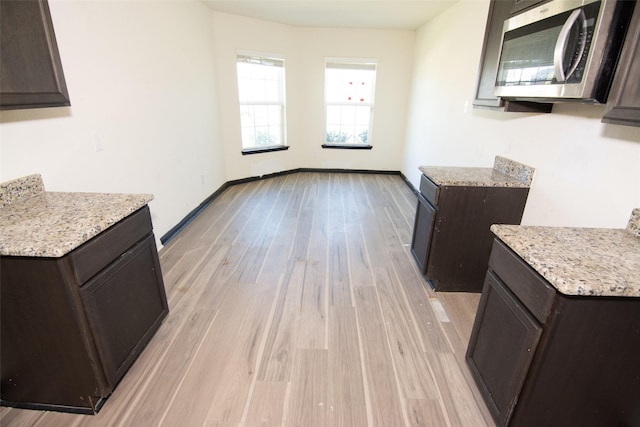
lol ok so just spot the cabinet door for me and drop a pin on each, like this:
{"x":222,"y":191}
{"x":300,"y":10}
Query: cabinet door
{"x":30,"y":71}
{"x":503,"y":342}
{"x":623,"y":105}
{"x":498,"y":12}
{"x":422,"y":231}
{"x":125,"y":304}
{"x":520,"y":6}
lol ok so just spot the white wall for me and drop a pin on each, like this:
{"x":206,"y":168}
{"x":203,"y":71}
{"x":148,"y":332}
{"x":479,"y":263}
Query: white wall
{"x":141,"y":77}
{"x":587,"y":172}
{"x":304,"y":50}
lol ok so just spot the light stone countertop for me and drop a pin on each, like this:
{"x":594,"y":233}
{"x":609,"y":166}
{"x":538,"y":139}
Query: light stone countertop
{"x":580,"y":261}
{"x":505,"y":173}
{"x":38,"y":223}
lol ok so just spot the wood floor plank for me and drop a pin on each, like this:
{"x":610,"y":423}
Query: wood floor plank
{"x":14,"y":416}
{"x":149,"y":404}
{"x":308,"y":401}
{"x":384,"y":397}
{"x":338,"y":276}
{"x":459,"y":344}
{"x":237,"y":376}
{"x":267,"y":404}
{"x":313,"y":304}
{"x":451,"y":383}
{"x":360,"y":271}
{"x":386,"y":222}
{"x":217,"y":391}
{"x":304,"y":218}
{"x":461,"y":308}
{"x":374,"y":240}
{"x":414,"y":287}
{"x":347,"y":400}
{"x":285,"y":233}
{"x":313,"y":307}
{"x":413,"y":373}
{"x":339,"y":283}
{"x":56,"y":419}
{"x":426,"y":413}
{"x":277,"y":359}
{"x":404,"y":197}
{"x":207,"y":225}
{"x":402,"y":223}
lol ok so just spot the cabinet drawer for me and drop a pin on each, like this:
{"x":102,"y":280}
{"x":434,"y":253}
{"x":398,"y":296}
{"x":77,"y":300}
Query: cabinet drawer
{"x":531,"y":289}
{"x":429,"y":190}
{"x":97,"y":253}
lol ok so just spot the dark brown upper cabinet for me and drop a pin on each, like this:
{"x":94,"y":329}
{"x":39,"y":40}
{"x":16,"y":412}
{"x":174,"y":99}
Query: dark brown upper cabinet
{"x":623,"y":105}
{"x":499,"y":10}
{"x":519,"y":6}
{"x":31,"y":71}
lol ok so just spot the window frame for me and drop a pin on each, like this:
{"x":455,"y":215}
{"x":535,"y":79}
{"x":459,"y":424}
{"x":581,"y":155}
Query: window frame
{"x":263,"y":58}
{"x":350,"y":64}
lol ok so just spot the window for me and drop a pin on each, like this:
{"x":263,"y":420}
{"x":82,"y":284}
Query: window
{"x":349,"y":96}
{"x":262,"y":107}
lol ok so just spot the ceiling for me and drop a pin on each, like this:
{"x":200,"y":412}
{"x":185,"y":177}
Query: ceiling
{"x":384,"y":14}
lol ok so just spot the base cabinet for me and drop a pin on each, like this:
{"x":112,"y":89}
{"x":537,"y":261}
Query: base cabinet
{"x":541,"y":358}
{"x":451,"y":237}
{"x":72,"y":326}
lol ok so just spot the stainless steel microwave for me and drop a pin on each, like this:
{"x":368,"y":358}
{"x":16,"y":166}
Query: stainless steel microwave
{"x":562,"y":50}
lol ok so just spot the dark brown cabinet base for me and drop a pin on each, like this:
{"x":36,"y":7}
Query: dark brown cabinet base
{"x":72,"y":326}
{"x":541,"y":358}
{"x":451,"y":237}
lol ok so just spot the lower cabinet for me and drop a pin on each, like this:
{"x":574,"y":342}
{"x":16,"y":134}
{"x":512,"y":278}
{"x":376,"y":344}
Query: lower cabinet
{"x":451,"y":236}
{"x":541,"y":358}
{"x":72,"y":326}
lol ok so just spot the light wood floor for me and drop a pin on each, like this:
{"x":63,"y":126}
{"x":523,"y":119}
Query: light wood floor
{"x":295,"y":301}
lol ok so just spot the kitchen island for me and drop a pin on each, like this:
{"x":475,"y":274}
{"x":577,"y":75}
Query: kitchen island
{"x":557,"y":333}
{"x":82,"y":293}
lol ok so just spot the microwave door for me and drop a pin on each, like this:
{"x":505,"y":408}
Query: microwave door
{"x":570,"y":46}
{"x":557,"y":56}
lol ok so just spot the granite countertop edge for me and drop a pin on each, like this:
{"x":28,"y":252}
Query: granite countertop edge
{"x":52,"y":224}
{"x":505,"y":173}
{"x":579,"y":261}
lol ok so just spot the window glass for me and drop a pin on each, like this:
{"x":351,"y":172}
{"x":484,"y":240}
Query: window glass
{"x":349,"y":99}
{"x":262,"y":101}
